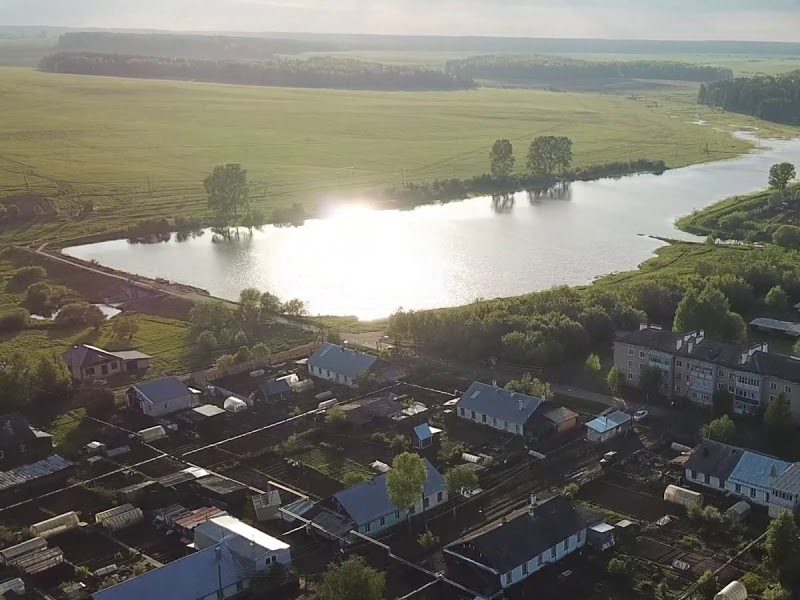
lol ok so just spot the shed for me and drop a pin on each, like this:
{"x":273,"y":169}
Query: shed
{"x":738,"y":512}
{"x":55,"y":526}
{"x":600,"y":536}
{"x":152,"y":434}
{"x":220,"y":489}
{"x":183,"y":477}
{"x":682,"y":496}
{"x":607,"y":427}
{"x":267,"y":506}
{"x":209,"y":411}
{"x":235,"y":405}
{"x":136,"y":491}
{"x":275,"y":390}
{"x":424,"y":436}
{"x":119,"y":518}
{"x":8,"y":555}
{"x":12,"y":585}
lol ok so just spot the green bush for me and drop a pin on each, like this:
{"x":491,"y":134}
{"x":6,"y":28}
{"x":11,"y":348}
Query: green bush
{"x":14,"y":320}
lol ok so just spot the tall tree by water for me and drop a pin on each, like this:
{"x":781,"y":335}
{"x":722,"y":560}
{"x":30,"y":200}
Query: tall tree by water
{"x":502,"y":158}
{"x":228,"y":192}
{"x":780,"y":175}
{"x":549,"y":154}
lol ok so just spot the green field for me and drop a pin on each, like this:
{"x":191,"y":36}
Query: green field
{"x":141,"y":148}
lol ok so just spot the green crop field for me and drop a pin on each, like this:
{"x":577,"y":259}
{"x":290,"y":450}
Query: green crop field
{"x":141,"y":148}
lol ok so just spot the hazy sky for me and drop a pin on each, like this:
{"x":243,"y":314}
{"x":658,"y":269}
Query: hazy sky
{"x":775,"y":20}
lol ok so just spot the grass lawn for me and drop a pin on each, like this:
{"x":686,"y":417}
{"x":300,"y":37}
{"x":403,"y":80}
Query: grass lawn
{"x":67,"y":431}
{"x":331,"y":464}
{"x":141,"y":148}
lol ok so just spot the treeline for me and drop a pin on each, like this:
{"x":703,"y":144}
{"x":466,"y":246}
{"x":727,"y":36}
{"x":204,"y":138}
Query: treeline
{"x":564,"y":324}
{"x":446,"y":190}
{"x":772,"y":98}
{"x":221,"y":47}
{"x":553,"y":70}
{"x":316,"y":72}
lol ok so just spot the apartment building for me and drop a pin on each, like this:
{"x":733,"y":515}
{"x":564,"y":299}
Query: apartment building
{"x":695,"y":367}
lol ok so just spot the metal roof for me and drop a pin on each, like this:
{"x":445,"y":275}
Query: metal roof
{"x":131,"y":355}
{"x":25,"y":473}
{"x":757,"y":470}
{"x":788,"y":481}
{"x":209,"y":410}
{"x":227,"y":528}
{"x":188,"y":474}
{"x":163,"y":390}
{"x":714,"y":459}
{"x":787,"y":327}
{"x":499,"y":403}
{"x":220,"y":485}
{"x":609,"y":422}
{"x":425,"y":431}
{"x":195,"y":576}
{"x":342,"y":361}
{"x":274,"y":388}
{"x":560,"y":415}
{"x":370,"y":500}
{"x":198,"y":516}
{"x":602,"y":528}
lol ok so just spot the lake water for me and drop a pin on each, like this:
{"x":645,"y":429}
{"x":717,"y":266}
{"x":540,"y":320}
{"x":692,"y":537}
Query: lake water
{"x":368,"y":263}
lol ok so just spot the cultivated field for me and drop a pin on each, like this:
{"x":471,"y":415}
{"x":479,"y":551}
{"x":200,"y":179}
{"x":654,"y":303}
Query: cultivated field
{"x":141,"y":148}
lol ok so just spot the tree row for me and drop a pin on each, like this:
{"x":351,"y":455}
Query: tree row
{"x":768,"y":97}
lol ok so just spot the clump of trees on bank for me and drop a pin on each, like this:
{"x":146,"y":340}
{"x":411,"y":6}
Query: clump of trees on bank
{"x":770,"y":97}
{"x":712,"y":292}
{"x":566,"y":72}
{"x":315,"y":72}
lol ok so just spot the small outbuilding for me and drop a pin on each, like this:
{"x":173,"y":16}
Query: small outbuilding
{"x":607,"y":427}
{"x":220,"y":490}
{"x":678,"y":495}
{"x":424,"y":436}
{"x":738,"y":512}
{"x":600,"y":536}
{"x":275,"y":390}
{"x":55,"y":526}
{"x":235,"y":405}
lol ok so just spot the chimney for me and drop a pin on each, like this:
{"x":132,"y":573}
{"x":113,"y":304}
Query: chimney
{"x":745,"y":356}
{"x":521,"y":403}
{"x":773,"y":470}
{"x":678,"y":344}
{"x":690,"y":346}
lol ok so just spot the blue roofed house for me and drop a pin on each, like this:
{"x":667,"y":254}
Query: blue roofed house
{"x":211,"y":574}
{"x":161,"y":397}
{"x":497,"y":407}
{"x":606,"y":427}
{"x":338,"y":364}
{"x":368,"y":509}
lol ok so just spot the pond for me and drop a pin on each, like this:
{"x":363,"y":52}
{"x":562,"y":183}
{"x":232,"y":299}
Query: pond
{"x":367,"y":262}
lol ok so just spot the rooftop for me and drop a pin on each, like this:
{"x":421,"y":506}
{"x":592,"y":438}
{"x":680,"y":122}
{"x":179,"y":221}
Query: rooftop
{"x":220,"y":485}
{"x":524,"y":535}
{"x":714,"y":459}
{"x":195,"y":576}
{"x":225,"y":527}
{"x":343,"y":361}
{"x":499,"y":403}
{"x":370,"y":500}
{"x":163,"y":390}
{"x":14,"y":430}
{"x":274,"y":388}
{"x":209,"y":410}
{"x":425,"y":431}
{"x":609,"y":421}
{"x":85,"y":355}
{"x":560,"y":415}
{"x":757,"y":470}
{"x":787,"y":327}
{"x":25,"y":473}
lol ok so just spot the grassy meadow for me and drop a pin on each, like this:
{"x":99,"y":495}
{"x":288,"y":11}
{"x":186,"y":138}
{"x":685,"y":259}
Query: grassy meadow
{"x":141,"y":148}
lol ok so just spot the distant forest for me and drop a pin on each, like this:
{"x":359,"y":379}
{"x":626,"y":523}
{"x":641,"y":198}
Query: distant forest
{"x":228,"y":47}
{"x":772,"y":98}
{"x":555,"y":71}
{"x":316,"y":72}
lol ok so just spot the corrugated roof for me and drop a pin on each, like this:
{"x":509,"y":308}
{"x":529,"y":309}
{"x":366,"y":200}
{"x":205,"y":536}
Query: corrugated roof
{"x":343,"y":361}
{"x":219,"y":485}
{"x":370,"y":500}
{"x":188,"y":474}
{"x":788,"y":481}
{"x":228,"y":528}
{"x":499,"y":403}
{"x":787,"y":327}
{"x":131,"y":355}
{"x":195,"y":576}
{"x":25,"y":473}
{"x":560,"y":415}
{"x":608,"y":422}
{"x":163,"y":390}
{"x":198,"y":516}
{"x":209,"y":410}
{"x":714,"y":459}
{"x":524,"y":536}
{"x":757,"y":470}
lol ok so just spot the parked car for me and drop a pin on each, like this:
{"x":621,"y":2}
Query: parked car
{"x":640,"y":415}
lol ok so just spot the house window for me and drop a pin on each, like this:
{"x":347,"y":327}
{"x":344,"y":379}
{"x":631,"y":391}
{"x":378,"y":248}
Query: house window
{"x":773,"y":385}
{"x":328,"y":372}
{"x":463,"y":412}
{"x":678,"y":363}
{"x":104,"y":369}
{"x":397,"y":514}
{"x":508,"y":578}
{"x":707,"y":478}
{"x":426,"y":502}
{"x":540,"y":561}
{"x":483,"y":418}
{"x":2,"y":455}
{"x":274,"y":558}
{"x":90,"y":371}
{"x":413,"y":509}
{"x":641,"y":366}
{"x":720,"y":386}
{"x":367,"y":527}
{"x":730,"y":376}
{"x":720,"y":373}
{"x":677,"y":388}
{"x":506,"y":426}
{"x":383,"y":521}
{"x":641,"y":354}
{"x":630,"y":351}
{"x":519,"y":429}
{"x":730,"y":389}
{"x":772,"y":397}
{"x":22,"y":448}
{"x":239,"y":586}
{"x":473,"y":414}
{"x":494,"y":421}
{"x":737,"y":488}
{"x":630,"y":375}
{"x":439,"y":496}
{"x":692,"y":474}
{"x":630,"y":364}
{"x":566,"y":544}
{"x":524,"y":568}
{"x":553,"y":552}
{"x":787,"y":389}
{"x":579,"y":536}
{"x":752,"y":492}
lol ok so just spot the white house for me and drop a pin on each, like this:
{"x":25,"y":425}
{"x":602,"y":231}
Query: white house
{"x":339,"y":365}
{"x":89,"y":362}
{"x":161,"y":397}
{"x":606,"y":427}
{"x":369,"y":510}
{"x":519,"y":546}
{"x":752,"y":476}
{"x":497,"y":407}
{"x":257,"y":550}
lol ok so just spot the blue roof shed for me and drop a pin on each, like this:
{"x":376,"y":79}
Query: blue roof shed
{"x":609,"y":422}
